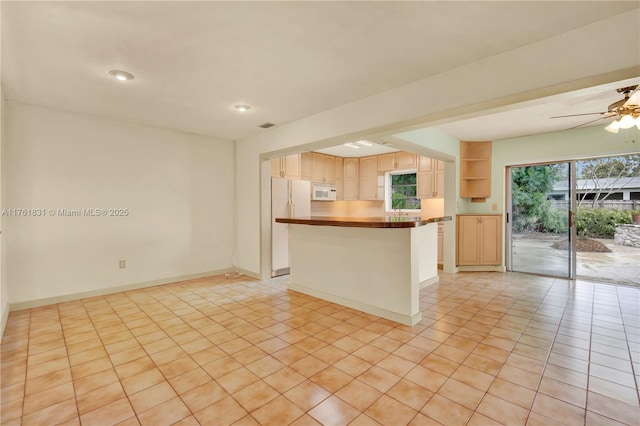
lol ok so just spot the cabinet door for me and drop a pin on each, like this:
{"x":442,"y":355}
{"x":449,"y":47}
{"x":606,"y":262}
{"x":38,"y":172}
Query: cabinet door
{"x":490,"y":246}
{"x":339,"y":173}
{"x":317,"y":167}
{"x":368,"y":178}
{"x":291,"y":166}
{"x":305,"y":166}
{"x":440,"y":243}
{"x":405,"y":160}
{"x":425,"y":185}
{"x":350,"y":179}
{"x":329,"y":169}
{"x":276,"y":167}
{"x":425,"y":164}
{"x":468,"y":240}
{"x":386,"y":162}
{"x":351,"y":168}
{"x":438,"y":174}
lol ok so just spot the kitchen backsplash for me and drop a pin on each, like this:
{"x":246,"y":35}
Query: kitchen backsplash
{"x":430,"y":207}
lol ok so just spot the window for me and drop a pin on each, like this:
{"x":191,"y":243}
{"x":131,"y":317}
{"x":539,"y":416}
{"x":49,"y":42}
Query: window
{"x":401,"y":191}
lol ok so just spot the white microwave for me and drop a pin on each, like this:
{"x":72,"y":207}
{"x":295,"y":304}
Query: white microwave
{"x":323,"y":192}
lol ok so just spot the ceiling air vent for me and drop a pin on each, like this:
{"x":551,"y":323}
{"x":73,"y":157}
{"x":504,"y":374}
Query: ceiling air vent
{"x":266,"y":125}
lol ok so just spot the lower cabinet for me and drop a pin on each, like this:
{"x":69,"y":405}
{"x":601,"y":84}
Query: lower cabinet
{"x":479,"y":239}
{"x":440,"y":243}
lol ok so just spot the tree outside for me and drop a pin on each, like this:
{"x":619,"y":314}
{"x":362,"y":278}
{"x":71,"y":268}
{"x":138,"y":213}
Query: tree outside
{"x":532,"y":210}
{"x":404,"y":191}
{"x":599,"y":179}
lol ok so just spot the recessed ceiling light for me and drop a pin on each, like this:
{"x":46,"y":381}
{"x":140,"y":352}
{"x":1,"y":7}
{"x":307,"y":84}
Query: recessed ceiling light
{"x":242,"y":108}
{"x":364,"y":143}
{"x":121,"y":75}
{"x":352,"y":145}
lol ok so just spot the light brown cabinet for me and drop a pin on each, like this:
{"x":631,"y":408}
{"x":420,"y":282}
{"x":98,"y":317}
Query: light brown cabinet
{"x":322,"y":168}
{"x":439,"y":174}
{"x":305,"y":166}
{"x":475,"y":169}
{"x":339,"y":177}
{"x":440,"y":243}
{"x":286,"y":167}
{"x":368,"y":178}
{"x":479,"y":240}
{"x":396,"y":161}
{"x":430,"y":178}
{"x":350,"y":179}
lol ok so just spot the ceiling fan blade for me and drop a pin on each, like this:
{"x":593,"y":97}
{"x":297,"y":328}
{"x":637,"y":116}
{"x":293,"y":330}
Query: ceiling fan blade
{"x":592,"y":121}
{"x":577,"y":115}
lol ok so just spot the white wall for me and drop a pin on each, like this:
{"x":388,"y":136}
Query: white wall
{"x":178,"y":188}
{"x":532,"y":71}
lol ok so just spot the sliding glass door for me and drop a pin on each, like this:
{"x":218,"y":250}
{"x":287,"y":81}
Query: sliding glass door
{"x":540,"y":231}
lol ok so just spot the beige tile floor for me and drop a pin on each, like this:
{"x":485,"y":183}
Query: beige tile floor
{"x":492,"y":349}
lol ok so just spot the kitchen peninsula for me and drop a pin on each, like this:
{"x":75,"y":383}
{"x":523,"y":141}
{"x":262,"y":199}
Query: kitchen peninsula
{"x":375,"y":265}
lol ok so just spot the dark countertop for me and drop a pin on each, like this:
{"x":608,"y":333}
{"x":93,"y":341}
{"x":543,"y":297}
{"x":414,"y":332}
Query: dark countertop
{"x":364,"y":222}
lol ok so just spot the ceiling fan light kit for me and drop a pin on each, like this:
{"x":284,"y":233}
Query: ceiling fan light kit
{"x":626,"y":111}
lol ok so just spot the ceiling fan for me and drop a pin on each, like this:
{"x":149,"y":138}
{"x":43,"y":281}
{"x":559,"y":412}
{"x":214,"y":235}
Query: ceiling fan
{"x":626,"y":111}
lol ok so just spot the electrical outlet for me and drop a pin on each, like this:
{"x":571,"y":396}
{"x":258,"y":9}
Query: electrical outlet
{"x":122,"y":264}
{"x":494,"y":206}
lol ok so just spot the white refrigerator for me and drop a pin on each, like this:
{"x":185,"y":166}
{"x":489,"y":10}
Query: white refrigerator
{"x":289,"y":198}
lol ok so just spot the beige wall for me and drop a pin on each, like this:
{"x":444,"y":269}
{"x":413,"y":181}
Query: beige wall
{"x":178,"y":188}
{"x":4,"y":293}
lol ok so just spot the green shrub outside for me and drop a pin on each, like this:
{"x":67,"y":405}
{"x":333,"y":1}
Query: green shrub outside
{"x":601,"y":223}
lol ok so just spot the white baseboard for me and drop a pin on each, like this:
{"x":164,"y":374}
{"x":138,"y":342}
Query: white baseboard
{"x":495,"y":268}
{"x":248,"y":273}
{"x":430,"y":281}
{"x":101,"y":292}
{"x":409,"y":320}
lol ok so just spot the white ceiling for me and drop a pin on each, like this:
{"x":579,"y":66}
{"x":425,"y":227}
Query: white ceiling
{"x":534,"y":117}
{"x":194,"y":60}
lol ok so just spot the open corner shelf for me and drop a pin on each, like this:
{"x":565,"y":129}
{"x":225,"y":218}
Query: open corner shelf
{"x":475,"y":169}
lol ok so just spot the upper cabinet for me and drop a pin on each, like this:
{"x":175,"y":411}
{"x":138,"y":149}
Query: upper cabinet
{"x":322,"y":168}
{"x":360,"y":178}
{"x":350,"y":182}
{"x":305,"y":166}
{"x":430,"y":178}
{"x":286,"y":167}
{"x":368,"y":178}
{"x":475,"y":169}
{"x":339,"y":177}
{"x":396,"y":161}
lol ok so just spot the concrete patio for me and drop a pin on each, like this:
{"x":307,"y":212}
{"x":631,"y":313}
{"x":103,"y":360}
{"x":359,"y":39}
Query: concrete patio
{"x":620,"y":266}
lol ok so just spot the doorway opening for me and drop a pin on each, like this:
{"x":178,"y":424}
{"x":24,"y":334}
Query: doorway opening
{"x":540,"y":233}
{"x":575,"y":219}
